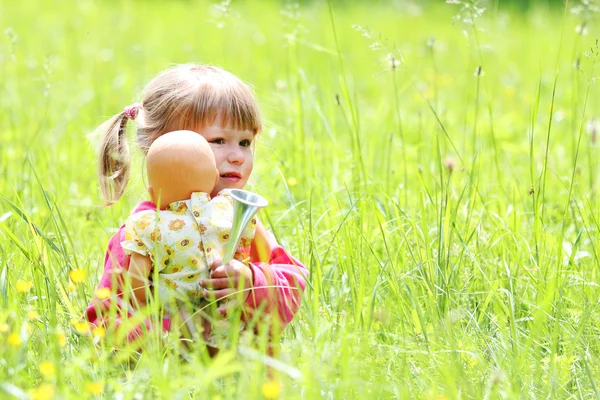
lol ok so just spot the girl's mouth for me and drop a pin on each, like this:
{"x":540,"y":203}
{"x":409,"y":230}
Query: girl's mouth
{"x":231,"y":176}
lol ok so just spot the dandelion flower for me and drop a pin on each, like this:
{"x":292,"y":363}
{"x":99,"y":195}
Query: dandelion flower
{"x":77,"y":275}
{"x":33,"y":315}
{"x":23,"y":286}
{"x":271,"y":389}
{"x":47,"y":369}
{"x":71,"y":287}
{"x":43,"y":392}
{"x":103,"y":293}
{"x":99,"y":332}
{"x":80,"y":326}
{"x":292,"y":181}
{"x":61,"y":339}
{"x":95,"y":387}
{"x":14,"y":340}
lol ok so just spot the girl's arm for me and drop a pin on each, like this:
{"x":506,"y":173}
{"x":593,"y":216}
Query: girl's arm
{"x":277,"y":280}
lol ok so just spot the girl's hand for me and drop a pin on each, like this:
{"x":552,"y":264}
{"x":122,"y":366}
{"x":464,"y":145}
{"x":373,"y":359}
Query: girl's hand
{"x":225,"y":280}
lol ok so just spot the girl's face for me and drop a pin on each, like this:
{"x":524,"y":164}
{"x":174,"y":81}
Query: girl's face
{"x":233,"y":153}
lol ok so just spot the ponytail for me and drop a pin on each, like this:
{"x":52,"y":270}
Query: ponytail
{"x":114,"y":161}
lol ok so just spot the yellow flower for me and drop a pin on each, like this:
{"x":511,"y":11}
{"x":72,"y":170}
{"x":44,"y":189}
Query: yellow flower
{"x":144,"y":221}
{"x":23,"y":286}
{"x":170,"y":250}
{"x":165,"y":262}
{"x":173,"y":269}
{"x":71,"y":287}
{"x":80,"y":326}
{"x":292,"y":182}
{"x":202,"y":228}
{"x":184,"y":243}
{"x":61,"y":338}
{"x":224,"y":236}
{"x":223,"y":206}
{"x":271,"y":389}
{"x":4,"y":328}
{"x":178,"y":207}
{"x":194,"y":261}
{"x":95,"y":387}
{"x":209,"y":247}
{"x":176,"y":225}
{"x":33,"y":315}
{"x":103,"y":293}
{"x":47,"y":368}
{"x":77,"y":275}
{"x":99,"y":332}
{"x":196,"y":211}
{"x":170,"y":284}
{"x":14,"y":339}
{"x":156,"y":236}
{"x":43,"y":392}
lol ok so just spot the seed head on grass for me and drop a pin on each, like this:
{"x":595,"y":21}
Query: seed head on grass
{"x":593,"y":128}
{"x":450,"y":163}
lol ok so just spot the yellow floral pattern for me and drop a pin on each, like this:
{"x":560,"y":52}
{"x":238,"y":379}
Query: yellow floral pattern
{"x":185,"y":239}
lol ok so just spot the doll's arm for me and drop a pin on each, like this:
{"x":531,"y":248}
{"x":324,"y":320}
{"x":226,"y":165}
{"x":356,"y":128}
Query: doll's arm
{"x":139,"y":272}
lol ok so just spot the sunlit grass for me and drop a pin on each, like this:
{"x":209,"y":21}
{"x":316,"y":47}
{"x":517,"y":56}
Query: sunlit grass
{"x":438,"y":179}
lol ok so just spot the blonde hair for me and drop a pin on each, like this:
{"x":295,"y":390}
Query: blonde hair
{"x":184,"y":97}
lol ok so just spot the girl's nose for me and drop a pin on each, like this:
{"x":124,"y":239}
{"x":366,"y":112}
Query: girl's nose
{"x":235,"y":155}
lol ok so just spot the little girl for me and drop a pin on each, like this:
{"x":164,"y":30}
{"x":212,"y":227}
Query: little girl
{"x":222,"y":109}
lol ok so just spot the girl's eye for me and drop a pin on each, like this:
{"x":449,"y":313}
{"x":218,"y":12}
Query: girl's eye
{"x":218,"y":141}
{"x":245,"y":143}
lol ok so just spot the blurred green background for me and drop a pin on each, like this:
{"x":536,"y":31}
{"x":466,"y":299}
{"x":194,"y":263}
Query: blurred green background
{"x":434,"y":165}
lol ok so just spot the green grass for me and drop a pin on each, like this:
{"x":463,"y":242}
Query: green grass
{"x":449,"y":219}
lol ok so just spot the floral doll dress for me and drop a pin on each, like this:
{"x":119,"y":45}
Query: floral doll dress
{"x":182,"y":241}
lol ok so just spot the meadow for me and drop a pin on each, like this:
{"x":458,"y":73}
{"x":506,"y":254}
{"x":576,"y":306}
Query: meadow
{"x":434,"y":166}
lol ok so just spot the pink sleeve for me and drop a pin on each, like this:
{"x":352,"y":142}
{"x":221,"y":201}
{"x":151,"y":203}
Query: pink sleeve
{"x":115,"y":260}
{"x":278,"y":286}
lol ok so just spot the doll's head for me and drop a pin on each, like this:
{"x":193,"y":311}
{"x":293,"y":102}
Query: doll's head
{"x":179,"y":163}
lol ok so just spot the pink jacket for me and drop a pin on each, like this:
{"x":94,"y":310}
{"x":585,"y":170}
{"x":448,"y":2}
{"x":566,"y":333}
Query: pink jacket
{"x":277,"y":285}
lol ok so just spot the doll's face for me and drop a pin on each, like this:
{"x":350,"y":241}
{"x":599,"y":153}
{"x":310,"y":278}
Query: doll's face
{"x":178,"y":164}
